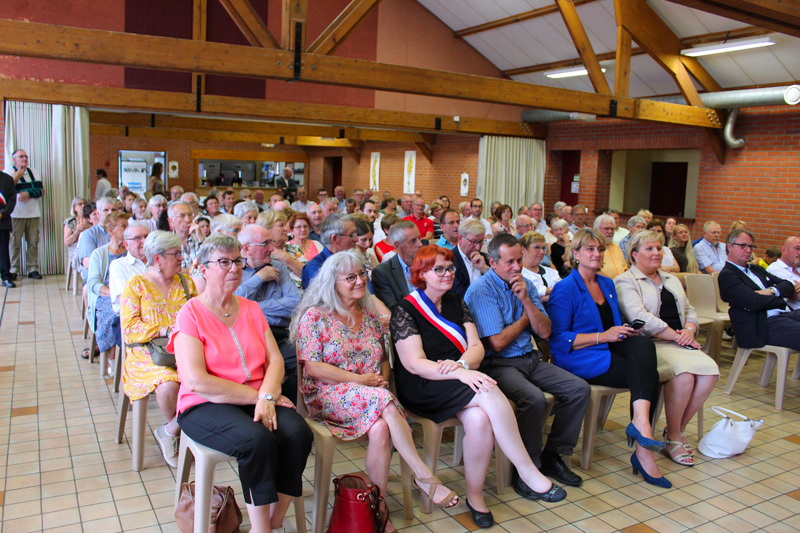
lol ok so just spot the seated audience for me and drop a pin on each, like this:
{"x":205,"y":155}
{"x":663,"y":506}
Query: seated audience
{"x":212,"y":207}
{"x":156,"y":206}
{"x":509,"y":314}
{"x":202,"y":228}
{"x":345,"y":373}
{"x":306,"y":248}
{"x":710,"y":252}
{"x":385,"y":247}
{"x":558,"y":249}
{"x":301,"y":204}
{"x":436,"y":215}
{"x":148,"y":307}
{"x":788,"y":266}
{"x":646,"y":214}
{"x":476,"y":209}
{"x":364,"y":244}
{"x":338,"y":235}
{"x":417,"y":216}
{"x":448,"y":222}
{"x":96,"y":236}
{"x":668,"y":263}
{"x":139,"y":207}
{"x":392,"y":279}
{"x":772,"y":254}
{"x":590,"y":341}
{"x":649,"y":294}
{"x":246,"y":211}
{"x":503,"y":224}
{"x":468,"y":259}
{"x":127,"y":198}
{"x":634,"y":224}
{"x":315,"y":218}
{"x":439,"y":352}
{"x":669,"y":228}
{"x":228,"y":197}
{"x":226,"y":224}
{"x":759,"y":311}
{"x":193,"y":201}
{"x":74,"y":225}
{"x":276,"y":223}
{"x":230,"y":395}
{"x":543,"y":278}
{"x":614,"y":262}
{"x":578,"y":216}
{"x":330,"y":206}
{"x":465,"y":208}
{"x":620,"y":232}
{"x":180,"y":223}
{"x":681,"y":248}
{"x":134,"y":262}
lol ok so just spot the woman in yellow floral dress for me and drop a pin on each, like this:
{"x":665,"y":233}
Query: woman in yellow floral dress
{"x":148,"y":307}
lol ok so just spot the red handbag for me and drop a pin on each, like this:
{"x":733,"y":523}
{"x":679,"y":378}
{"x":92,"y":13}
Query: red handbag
{"x":357,"y":507}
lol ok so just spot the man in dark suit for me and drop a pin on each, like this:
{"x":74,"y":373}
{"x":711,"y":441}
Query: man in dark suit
{"x":8,"y":200}
{"x":759,"y":314}
{"x":470,"y":263}
{"x":391,"y":279}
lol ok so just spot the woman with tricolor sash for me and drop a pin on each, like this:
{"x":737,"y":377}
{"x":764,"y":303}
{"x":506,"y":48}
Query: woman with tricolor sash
{"x":438,"y":349}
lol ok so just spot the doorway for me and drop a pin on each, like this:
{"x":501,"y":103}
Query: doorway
{"x":570,"y":167}
{"x":668,"y":187}
{"x":331,"y":174}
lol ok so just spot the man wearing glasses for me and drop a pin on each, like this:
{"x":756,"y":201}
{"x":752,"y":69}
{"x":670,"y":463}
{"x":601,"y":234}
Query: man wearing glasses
{"x":270,"y":286}
{"x":470,"y":263}
{"x":393,"y":277}
{"x":133,"y":263}
{"x":759,"y":311}
{"x":449,"y":222}
{"x":337,"y":234}
{"x":476,"y":208}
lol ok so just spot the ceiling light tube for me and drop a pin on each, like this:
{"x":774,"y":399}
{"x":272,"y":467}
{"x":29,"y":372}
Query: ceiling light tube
{"x":568,"y":72}
{"x":730,"y":46}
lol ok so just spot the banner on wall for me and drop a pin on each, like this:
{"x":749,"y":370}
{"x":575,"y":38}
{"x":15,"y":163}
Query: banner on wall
{"x":133,"y":174}
{"x":375,"y":171}
{"x":409,"y":171}
{"x":464,"y":184}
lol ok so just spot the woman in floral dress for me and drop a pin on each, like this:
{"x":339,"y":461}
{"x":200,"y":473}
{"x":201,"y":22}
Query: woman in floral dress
{"x":345,"y":373}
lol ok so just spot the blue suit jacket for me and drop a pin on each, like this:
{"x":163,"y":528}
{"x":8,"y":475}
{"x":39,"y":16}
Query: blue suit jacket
{"x":572,"y":310}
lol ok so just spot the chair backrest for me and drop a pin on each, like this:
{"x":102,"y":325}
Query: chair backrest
{"x":722,"y":305}
{"x":700,"y":291}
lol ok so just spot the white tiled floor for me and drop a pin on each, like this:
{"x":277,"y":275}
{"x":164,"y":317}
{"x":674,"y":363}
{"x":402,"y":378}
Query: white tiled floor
{"x":62,"y":470}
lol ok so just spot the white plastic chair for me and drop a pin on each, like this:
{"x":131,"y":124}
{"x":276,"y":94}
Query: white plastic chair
{"x":702,"y":295}
{"x":775,"y":355}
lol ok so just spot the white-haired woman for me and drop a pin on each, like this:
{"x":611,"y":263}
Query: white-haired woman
{"x":231,"y":372}
{"x":656,"y":297}
{"x":276,"y":223}
{"x":139,"y":207}
{"x":148,"y":307}
{"x":246,"y":211}
{"x":226,"y":225}
{"x":345,"y":372}
{"x":156,"y":206}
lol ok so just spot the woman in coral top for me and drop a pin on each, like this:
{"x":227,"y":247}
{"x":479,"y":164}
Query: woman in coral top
{"x":229,"y":400}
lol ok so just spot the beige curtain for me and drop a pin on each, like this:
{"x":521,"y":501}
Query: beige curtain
{"x":56,"y":139}
{"x":510,"y":171}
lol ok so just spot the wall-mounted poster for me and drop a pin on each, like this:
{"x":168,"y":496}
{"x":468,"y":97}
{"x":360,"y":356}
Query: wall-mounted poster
{"x":464,"y":184}
{"x":409,"y":171}
{"x":375,"y":171}
{"x":133,"y":174}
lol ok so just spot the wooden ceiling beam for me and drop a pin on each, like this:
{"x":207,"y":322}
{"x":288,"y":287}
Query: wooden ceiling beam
{"x":426,"y":151}
{"x":740,"y":33}
{"x":779,"y":16}
{"x":515,"y":19}
{"x":338,"y":30}
{"x":249,"y":23}
{"x":622,"y":73}
{"x":199,"y":27}
{"x":355,"y":154}
{"x":292,"y":12}
{"x":583,"y":45}
{"x":31,"y":39}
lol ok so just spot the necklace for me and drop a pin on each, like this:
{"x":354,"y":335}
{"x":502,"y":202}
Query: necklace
{"x":210,"y":305}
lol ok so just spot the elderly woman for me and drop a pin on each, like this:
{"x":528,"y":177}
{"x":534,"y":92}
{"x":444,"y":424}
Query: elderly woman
{"x":246,"y":211}
{"x":211,"y":206}
{"x":148,"y":307}
{"x":646,"y":214}
{"x":139,"y":209}
{"x":558,"y":250}
{"x":649,"y":294}
{"x":226,"y":224}
{"x":104,"y":321}
{"x":681,"y":248}
{"x":300,"y":227}
{"x":589,"y":339}
{"x":385,"y":249}
{"x":229,"y":399}
{"x":346,"y":373}
{"x":668,"y":263}
{"x":543,"y":277}
{"x":156,"y":206}
{"x":74,"y":225}
{"x":288,"y":254}
{"x":439,"y":353}
{"x":502,"y":215}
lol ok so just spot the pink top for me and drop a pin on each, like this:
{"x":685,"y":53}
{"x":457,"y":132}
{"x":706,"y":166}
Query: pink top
{"x":237,"y":354}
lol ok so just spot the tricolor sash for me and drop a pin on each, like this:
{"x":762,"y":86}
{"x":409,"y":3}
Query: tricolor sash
{"x":2,"y":200}
{"x":452,"y":331}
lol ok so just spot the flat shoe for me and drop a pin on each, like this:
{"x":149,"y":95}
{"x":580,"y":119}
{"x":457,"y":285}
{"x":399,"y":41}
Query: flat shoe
{"x":481,"y":519}
{"x":433,"y":483}
{"x":85,"y":353}
{"x":555,"y":494}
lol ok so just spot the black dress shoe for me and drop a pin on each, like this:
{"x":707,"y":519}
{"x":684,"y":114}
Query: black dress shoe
{"x":553,"y":466}
{"x":35,"y":275}
{"x":482,"y":520}
{"x":12,"y":276}
{"x":555,"y":494}
{"x":8,"y":283}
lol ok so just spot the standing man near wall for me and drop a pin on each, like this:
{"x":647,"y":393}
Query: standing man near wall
{"x":8,"y":200}
{"x":26,"y":215}
{"x":103,"y":185}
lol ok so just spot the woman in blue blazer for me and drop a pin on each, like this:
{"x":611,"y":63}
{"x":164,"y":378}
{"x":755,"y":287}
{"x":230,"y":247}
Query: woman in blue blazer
{"x":589,"y":340}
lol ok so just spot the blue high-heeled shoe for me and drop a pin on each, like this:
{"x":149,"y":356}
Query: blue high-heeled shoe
{"x":648,"y":444}
{"x":657,"y":481}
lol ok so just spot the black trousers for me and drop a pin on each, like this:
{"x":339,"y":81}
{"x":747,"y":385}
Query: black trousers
{"x":5,"y":256}
{"x":289,"y":354}
{"x":784,"y":329}
{"x":269,"y":462}
{"x":633,"y":366}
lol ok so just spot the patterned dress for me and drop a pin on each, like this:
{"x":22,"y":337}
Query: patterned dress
{"x":143,"y":312}
{"x":348,"y":409}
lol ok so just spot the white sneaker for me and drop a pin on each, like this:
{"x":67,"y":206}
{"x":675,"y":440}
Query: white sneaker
{"x":169,"y":445}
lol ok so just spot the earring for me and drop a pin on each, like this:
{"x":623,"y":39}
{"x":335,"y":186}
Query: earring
{"x":159,"y":270}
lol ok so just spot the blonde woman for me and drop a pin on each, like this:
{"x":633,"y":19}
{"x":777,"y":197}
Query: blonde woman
{"x":681,"y":247}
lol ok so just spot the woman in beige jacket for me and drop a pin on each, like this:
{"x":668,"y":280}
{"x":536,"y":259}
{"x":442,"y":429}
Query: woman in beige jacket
{"x":657,"y":298}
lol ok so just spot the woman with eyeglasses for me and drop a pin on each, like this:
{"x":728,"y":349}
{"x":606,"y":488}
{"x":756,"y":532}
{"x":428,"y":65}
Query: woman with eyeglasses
{"x":544,"y":278}
{"x":148,"y":306}
{"x":346,"y":373}
{"x":230,"y":394}
{"x":438,"y":352}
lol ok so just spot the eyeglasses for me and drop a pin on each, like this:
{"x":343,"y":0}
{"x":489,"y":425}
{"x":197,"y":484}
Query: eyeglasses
{"x":744,"y":246}
{"x":352,"y":278}
{"x":348,"y":236}
{"x":232,"y":230}
{"x":271,"y":242}
{"x":173,"y":254}
{"x":441,"y":271}
{"x":138,"y":238}
{"x":476,"y":243}
{"x":539,"y":248}
{"x":225,"y":263}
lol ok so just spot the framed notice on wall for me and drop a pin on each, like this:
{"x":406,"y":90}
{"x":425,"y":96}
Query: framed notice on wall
{"x":375,"y":171}
{"x":409,"y":171}
{"x":133,"y":174}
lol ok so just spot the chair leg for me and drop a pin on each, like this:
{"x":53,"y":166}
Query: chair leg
{"x":75,"y":278}
{"x":770,"y":359}
{"x":796,"y":373}
{"x":700,"y":422}
{"x":502,"y":467}
{"x":736,"y":368}
{"x":659,"y":408}
{"x":68,"y":276}
{"x":780,"y":386}
{"x":323,"y":464}
{"x":104,"y":363}
{"x":300,"y":514}
{"x":86,"y":329}
{"x":122,"y":415}
{"x":607,"y":402}
{"x":92,"y":347}
{"x":139,"y":424}
{"x":458,"y":441}
{"x":405,"y":477}
{"x":185,"y":459}
{"x":589,"y":430}
{"x":431,"y":445}
{"x":119,"y":364}
{"x":203,"y":485}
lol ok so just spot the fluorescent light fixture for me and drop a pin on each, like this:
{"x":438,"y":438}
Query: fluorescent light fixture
{"x":568,"y":72}
{"x":730,"y":46}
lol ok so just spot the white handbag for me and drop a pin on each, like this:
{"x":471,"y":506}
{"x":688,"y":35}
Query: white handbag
{"x":728,"y":437}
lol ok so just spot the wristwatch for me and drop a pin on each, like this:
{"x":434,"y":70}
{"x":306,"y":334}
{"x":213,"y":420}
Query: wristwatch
{"x":463,"y":363}
{"x":775,"y":291}
{"x":269,"y":397}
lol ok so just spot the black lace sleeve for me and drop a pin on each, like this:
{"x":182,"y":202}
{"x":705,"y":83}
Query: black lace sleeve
{"x":467,"y":314}
{"x":402,"y":325}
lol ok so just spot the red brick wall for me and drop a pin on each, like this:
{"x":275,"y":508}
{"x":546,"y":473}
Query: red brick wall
{"x":758,"y":184}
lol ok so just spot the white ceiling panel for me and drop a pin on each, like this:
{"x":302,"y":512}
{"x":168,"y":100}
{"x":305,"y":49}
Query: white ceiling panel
{"x":489,"y":10}
{"x":507,"y":49}
{"x":442,"y":13}
{"x":760,"y":63}
{"x":532,"y":46}
{"x":686,"y":22}
{"x":600,"y":25}
{"x":726,"y":71}
{"x":497,"y":57}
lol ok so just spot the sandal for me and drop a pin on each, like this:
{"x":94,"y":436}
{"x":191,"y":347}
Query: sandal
{"x":85,"y":353}
{"x":433,"y":483}
{"x":688,"y":447}
{"x":676,"y":450}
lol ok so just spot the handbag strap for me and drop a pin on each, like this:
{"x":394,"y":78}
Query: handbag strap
{"x":185,"y":287}
{"x":719,"y":411}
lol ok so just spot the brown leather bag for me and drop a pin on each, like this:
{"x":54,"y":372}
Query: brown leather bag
{"x":226,"y":517}
{"x":357,"y":507}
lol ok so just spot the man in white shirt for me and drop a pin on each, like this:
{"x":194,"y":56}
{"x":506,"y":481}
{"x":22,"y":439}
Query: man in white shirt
{"x":175,"y":194}
{"x":26,"y":215}
{"x":476,"y":208}
{"x":134,"y":262}
{"x":788,"y":266}
{"x":619,"y":232}
{"x":536,"y":212}
{"x":103,"y":185}
{"x":258,"y":197}
{"x":470,"y":263}
{"x":301,"y":204}
{"x":578,"y":223}
{"x":341,"y":201}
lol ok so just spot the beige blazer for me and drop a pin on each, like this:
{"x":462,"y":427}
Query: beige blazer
{"x":640,"y":298}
